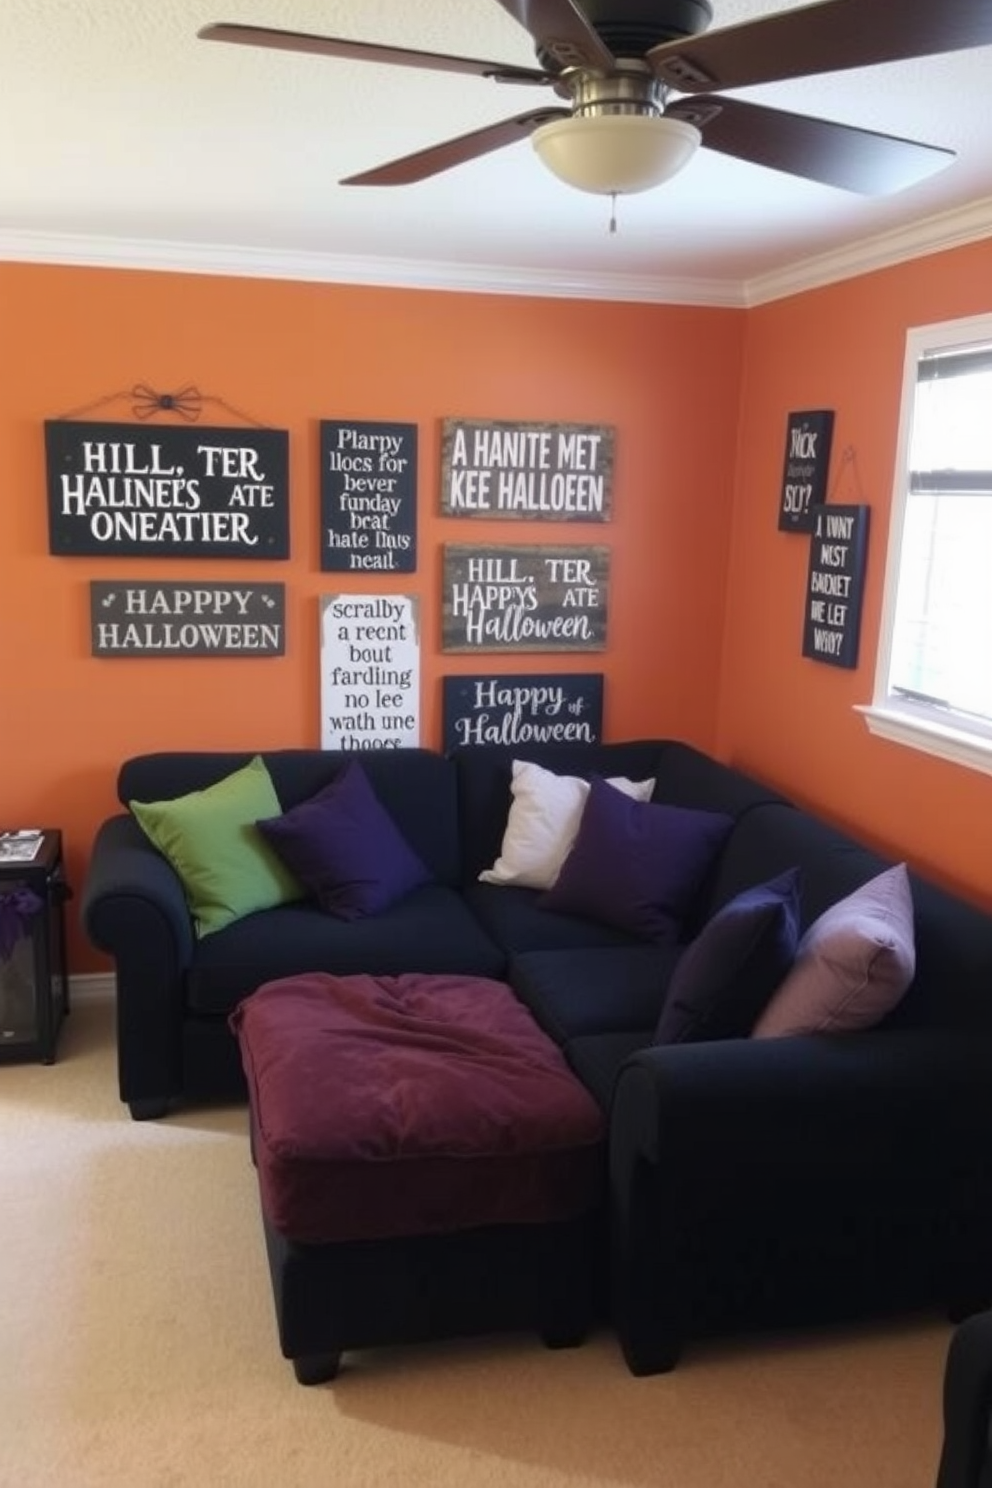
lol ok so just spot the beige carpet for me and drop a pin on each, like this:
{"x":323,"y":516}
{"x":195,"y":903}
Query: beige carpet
{"x":138,"y":1347}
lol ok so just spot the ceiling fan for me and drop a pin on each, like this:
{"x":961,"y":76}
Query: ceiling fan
{"x":644,"y":87}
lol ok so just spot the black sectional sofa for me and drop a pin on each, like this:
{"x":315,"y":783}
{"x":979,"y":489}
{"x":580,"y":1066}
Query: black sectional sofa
{"x":750,"y":1182}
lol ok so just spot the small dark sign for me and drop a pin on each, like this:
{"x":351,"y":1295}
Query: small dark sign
{"x":549,"y":472}
{"x":558,"y":708}
{"x":807,"y":464}
{"x":118,"y":490}
{"x":835,"y":586}
{"x":368,"y":497}
{"x":149,"y":618}
{"x":525,"y":599}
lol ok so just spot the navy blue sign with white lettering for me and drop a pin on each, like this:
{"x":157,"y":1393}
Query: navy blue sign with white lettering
{"x":553,"y":707}
{"x":117,"y":490}
{"x":835,"y":584}
{"x":368,"y":497}
{"x":807,"y":461}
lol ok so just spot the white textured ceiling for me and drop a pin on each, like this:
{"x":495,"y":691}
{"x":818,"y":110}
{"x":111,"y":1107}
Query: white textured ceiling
{"x":116,"y":122}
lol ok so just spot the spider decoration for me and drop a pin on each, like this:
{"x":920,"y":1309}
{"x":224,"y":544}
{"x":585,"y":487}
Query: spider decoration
{"x":187,"y":402}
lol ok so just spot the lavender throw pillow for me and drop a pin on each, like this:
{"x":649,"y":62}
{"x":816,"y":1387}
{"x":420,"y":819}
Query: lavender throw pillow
{"x":852,"y":965}
{"x":635,"y":865}
{"x":726,"y":976}
{"x":345,"y":848}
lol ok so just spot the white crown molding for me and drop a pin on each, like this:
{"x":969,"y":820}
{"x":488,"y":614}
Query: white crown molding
{"x":930,"y":235}
{"x":82,"y":250}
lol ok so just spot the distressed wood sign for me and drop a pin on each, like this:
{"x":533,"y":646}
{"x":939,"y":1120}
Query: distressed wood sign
{"x":548,"y":707}
{"x":524,"y":599}
{"x":550,"y":472}
{"x":835,"y":584}
{"x":369,"y":671}
{"x":808,"y":438}
{"x":149,"y":618}
{"x":117,"y":490}
{"x":368,"y":497}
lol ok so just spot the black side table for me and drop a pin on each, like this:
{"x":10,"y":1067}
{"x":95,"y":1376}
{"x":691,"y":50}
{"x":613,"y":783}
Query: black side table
{"x":34,"y":984}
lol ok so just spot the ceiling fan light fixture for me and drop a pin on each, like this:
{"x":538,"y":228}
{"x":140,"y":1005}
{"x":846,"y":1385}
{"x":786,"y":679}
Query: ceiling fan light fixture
{"x":616,"y":154}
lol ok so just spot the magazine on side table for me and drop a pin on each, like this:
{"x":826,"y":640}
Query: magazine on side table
{"x":20,"y":847}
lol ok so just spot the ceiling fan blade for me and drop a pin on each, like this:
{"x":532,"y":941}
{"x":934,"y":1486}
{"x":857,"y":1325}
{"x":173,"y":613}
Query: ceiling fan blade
{"x":816,"y":149}
{"x":831,"y":36}
{"x":437,"y":158}
{"x":562,"y":33}
{"x":363,"y":51}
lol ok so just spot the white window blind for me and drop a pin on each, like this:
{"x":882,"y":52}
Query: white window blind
{"x":935,"y":651}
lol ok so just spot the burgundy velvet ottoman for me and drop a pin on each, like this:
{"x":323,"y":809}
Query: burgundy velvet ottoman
{"x":427,"y":1164}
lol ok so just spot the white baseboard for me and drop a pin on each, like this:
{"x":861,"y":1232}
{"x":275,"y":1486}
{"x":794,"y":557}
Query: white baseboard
{"x":93,"y":986}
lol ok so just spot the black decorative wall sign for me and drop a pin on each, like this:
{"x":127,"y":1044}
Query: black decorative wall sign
{"x":807,"y":463}
{"x":549,"y":472}
{"x":539,"y":708}
{"x":368,"y":497}
{"x":525,"y":599}
{"x":120,"y":490}
{"x":835,"y":585}
{"x":154,"y":618}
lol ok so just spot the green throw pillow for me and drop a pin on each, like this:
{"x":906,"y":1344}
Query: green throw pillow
{"x":210,"y":838}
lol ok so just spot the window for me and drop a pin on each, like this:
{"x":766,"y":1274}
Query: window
{"x":933,"y":684}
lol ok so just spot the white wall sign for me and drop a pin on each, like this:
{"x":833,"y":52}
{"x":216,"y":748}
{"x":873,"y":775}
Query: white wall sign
{"x":369,"y":671}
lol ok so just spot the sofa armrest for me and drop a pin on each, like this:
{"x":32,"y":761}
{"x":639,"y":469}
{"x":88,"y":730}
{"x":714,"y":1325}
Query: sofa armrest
{"x":133,"y":908}
{"x":778,"y":1166}
{"x":790,"y":1099}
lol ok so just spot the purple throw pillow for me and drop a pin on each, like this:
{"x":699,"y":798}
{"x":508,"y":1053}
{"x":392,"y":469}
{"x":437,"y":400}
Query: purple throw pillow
{"x":726,"y":976}
{"x":344,"y":847}
{"x":636,"y":866}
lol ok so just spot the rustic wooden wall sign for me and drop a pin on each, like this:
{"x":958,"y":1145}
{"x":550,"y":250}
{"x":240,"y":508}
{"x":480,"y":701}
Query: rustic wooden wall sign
{"x":835,"y":584}
{"x":139,"y":618}
{"x":525,"y":599}
{"x":550,"y":472}
{"x":547,"y":707}
{"x":368,"y":497}
{"x":808,"y":437}
{"x":120,"y":490}
{"x":369,"y":671}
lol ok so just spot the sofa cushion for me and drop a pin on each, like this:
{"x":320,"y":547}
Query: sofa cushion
{"x":853,"y":964}
{"x":345,"y":848}
{"x":516,"y":920}
{"x":599,"y":989}
{"x":542,"y":823}
{"x":484,"y":773}
{"x":209,"y":836}
{"x":635,"y":865}
{"x":430,"y":930}
{"x":726,"y":976}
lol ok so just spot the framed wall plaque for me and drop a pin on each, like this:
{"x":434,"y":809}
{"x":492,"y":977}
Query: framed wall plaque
{"x":808,"y":437}
{"x":835,"y":584}
{"x":122,"y":490}
{"x":525,"y":598}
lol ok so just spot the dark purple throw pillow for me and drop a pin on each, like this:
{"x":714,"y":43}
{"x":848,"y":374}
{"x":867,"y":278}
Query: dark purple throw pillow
{"x":724,"y":979}
{"x":636,"y":865}
{"x":345,"y":849}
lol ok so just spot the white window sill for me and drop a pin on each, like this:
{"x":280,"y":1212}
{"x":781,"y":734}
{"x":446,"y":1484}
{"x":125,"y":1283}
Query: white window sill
{"x":974,"y":751}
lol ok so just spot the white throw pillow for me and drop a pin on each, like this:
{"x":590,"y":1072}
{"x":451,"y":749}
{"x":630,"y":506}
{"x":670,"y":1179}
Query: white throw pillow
{"x":543,"y":822}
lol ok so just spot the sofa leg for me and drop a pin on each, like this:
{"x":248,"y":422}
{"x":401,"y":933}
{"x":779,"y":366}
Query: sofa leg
{"x":659,"y":1356}
{"x":317,"y":1369}
{"x":150,"y":1108}
{"x":564,"y":1337}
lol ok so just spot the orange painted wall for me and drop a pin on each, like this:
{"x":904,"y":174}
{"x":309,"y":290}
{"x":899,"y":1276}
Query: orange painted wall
{"x":792,"y":719}
{"x":290,"y":354}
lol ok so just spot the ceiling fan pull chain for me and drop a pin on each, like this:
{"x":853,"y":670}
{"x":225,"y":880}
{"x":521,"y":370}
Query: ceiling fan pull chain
{"x":613,"y":211}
